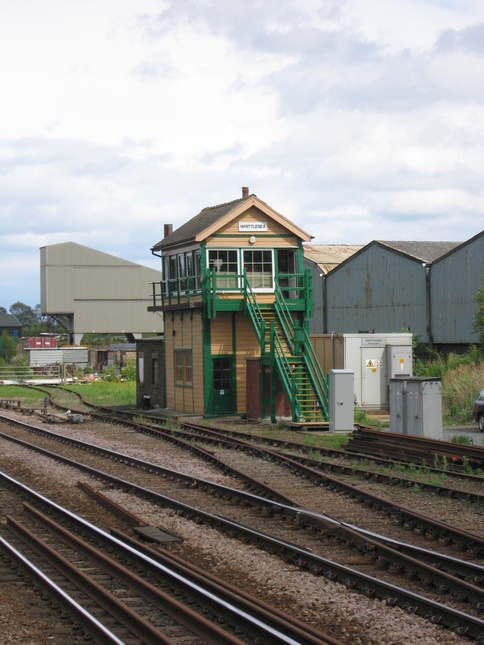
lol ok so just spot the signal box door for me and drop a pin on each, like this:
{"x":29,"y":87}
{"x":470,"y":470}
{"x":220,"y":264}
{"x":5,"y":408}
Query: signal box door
{"x":223,"y":390}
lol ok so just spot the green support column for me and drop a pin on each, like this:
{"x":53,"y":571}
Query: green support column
{"x":207,"y":368}
{"x":272,"y":376}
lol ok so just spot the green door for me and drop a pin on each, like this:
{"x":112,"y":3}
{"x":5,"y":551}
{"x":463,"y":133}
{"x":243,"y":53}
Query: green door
{"x":223,"y":392}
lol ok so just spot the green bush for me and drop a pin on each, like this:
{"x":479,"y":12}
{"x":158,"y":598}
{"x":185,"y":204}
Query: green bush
{"x":461,"y":439}
{"x":129,"y":371}
{"x":462,"y":378}
{"x":362,"y":417}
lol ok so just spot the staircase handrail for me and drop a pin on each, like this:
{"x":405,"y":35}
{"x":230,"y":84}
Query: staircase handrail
{"x":299,"y":342}
{"x":320,"y":382}
{"x":285,"y":319}
{"x":284,"y":369}
{"x":251,"y":306}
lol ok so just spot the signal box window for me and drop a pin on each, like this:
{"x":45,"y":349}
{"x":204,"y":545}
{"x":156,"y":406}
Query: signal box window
{"x":225,"y":263}
{"x":258,"y":265}
{"x":183,"y":367}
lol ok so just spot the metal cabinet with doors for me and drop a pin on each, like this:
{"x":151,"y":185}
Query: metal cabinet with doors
{"x":416,"y":406}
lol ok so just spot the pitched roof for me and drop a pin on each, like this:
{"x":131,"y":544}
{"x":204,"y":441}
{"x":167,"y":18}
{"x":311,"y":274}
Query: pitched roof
{"x":462,"y":245}
{"x":196,"y":228}
{"x":205,"y":218}
{"x":9,"y":320}
{"x":329,"y":256}
{"x":423,"y":251}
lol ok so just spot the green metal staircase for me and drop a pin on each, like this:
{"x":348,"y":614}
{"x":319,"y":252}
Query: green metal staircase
{"x":286,"y":345}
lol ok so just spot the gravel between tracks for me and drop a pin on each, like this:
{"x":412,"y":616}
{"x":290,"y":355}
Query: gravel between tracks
{"x":344,"y":614}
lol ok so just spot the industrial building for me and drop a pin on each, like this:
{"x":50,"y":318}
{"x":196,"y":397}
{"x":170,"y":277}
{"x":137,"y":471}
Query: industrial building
{"x":320,"y":259}
{"x":454,"y":280}
{"x":425,"y":287}
{"x":88,"y":291}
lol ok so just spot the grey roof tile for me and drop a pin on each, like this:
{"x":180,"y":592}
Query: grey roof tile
{"x":423,"y":251}
{"x":205,"y":218}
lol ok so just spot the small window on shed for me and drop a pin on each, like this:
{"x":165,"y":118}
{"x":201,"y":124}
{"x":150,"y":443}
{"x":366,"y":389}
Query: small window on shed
{"x":183,"y":366}
{"x":141,"y":369}
{"x":154,"y":371}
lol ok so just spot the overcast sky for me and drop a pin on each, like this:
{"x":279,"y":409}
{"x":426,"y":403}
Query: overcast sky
{"x":356,"y":119}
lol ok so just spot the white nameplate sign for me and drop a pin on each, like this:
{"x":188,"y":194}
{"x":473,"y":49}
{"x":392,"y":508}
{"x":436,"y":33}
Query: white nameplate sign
{"x":245,"y":227}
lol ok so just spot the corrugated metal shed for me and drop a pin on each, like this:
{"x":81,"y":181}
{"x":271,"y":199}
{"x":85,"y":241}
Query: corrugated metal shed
{"x":380,"y":288}
{"x":386,"y":286}
{"x":455,"y":279}
{"x":320,"y":259}
{"x":66,"y":355}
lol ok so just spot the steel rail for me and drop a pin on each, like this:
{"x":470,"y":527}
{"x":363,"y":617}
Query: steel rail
{"x":189,"y":570}
{"x":256,"y":624}
{"x":414,"y":562}
{"x":440,"y":490}
{"x":322,"y":450}
{"x":473,"y":541}
{"x":416,"y":447}
{"x":91,"y":626}
{"x":456,"y":470}
{"x":130,"y":619}
{"x":301,"y":557}
{"x":252,"y":483}
{"x":182,"y":478}
{"x":316,"y":564}
{"x":463,"y":569}
{"x":370,"y":586}
{"x":268,"y":622}
{"x":305,"y":518}
{"x":405,"y":515}
{"x":290,"y":509}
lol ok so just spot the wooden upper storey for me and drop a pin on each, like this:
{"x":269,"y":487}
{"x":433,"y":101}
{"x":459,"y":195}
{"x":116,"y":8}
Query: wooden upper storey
{"x":225,"y":248}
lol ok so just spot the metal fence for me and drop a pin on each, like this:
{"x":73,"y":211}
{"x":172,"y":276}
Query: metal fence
{"x":23,"y":373}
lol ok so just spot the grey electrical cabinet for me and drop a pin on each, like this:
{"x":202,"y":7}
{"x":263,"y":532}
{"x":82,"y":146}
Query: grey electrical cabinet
{"x":399,"y":359}
{"x":416,"y":406}
{"x":341,"y":400}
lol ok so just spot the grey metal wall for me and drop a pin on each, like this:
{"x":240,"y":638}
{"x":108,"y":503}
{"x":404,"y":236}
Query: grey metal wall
{"x":377,"y":289}
{"x":67,"y":355}
{"x":105,"y":294}
{"x":455,"y":278}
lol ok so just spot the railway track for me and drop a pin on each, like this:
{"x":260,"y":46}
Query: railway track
{"x":375,"y":547}
{"x":137,"y":596}
{"x":417,"y":450}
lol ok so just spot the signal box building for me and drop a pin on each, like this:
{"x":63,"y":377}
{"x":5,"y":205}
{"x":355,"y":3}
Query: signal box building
{"x":236,"y":302}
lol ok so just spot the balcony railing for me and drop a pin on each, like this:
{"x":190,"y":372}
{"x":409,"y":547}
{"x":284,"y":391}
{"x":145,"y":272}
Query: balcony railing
{"x":295,"y":287}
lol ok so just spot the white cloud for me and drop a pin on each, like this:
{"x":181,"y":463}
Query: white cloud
{"x":357,"y":119}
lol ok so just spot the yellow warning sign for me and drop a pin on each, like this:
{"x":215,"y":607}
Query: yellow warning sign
{"x":373,"y":364}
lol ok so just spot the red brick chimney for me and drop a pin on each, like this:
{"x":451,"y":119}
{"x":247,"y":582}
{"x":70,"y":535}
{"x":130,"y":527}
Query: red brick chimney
{"x":168,"y":230}
{"x":245,"y":192}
